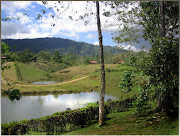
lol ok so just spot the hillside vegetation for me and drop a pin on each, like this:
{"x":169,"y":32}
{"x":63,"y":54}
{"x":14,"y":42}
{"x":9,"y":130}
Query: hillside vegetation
{"x":63,"y":46}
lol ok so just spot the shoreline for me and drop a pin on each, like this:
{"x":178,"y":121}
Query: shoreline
{"x":24,"y":93}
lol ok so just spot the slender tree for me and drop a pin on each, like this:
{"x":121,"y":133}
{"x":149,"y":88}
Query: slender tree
{"x":101,"y":102}
{"x":161,"y":34}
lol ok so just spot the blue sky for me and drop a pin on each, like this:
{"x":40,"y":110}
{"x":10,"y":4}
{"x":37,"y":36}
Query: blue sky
{"x":29,"y":27}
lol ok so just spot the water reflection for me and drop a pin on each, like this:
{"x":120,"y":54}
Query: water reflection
{"x":37,"y":106}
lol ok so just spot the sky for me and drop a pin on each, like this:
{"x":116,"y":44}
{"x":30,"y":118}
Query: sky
{"x":28,"y":27}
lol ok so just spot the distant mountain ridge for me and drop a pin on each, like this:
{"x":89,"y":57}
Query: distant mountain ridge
{"x":63,"y":46}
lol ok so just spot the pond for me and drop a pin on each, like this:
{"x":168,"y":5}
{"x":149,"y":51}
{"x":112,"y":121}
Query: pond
{"x":29,"y":107}
{"x":44,"y":82}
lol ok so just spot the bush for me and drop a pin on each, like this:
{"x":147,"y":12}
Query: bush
{"x":126,"y":81}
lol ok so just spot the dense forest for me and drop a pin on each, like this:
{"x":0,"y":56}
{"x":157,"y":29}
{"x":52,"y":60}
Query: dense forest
{"x":63,"y":46}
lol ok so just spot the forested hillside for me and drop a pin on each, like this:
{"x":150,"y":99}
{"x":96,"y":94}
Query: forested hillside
{"x":63,"y":46}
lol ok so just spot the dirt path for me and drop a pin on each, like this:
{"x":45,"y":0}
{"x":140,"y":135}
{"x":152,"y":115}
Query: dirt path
{"x":62,"y":83}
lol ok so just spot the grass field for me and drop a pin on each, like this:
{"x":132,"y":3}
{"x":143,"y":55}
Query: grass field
{"x":9,"y":74}
{"x":30,"y":72}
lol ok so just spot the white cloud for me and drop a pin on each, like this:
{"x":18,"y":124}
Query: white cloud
{"x":91,"y":36}
{"x":14,"y":5}
{"x":129,"y":47}
{"x":62,"y":21}
{"x":23,"y":18}
{"x":10,"y":29}
{"x":72,"y":34}
{"x":96,"y":43}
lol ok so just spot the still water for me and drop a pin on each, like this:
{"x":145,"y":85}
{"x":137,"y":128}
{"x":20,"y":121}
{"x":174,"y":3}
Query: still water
{"x":44,"y":82}
{"x":29,"y":107}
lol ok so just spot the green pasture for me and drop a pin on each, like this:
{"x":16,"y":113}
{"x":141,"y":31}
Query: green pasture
{"x":32,"y":72}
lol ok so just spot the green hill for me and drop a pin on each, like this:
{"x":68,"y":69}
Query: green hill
{"x":63,"y":46}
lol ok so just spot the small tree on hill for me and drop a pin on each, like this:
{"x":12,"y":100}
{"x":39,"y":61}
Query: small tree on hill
{"x":57,"y":58}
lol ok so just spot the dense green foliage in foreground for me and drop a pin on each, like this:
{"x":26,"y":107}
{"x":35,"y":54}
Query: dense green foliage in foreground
{"x":158,"y":24}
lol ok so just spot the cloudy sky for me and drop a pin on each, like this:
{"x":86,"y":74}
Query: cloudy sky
{"x":28,"y":27}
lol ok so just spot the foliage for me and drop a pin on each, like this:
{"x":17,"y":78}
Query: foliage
{"x":14,"y":94}
{"x":5,"y":48}
{"x":131,"y":61}
{"x":126,"y":82}
{"x":164,"y":71}
{"x":4,"y":67}
{"x":150,"y":18}
{"x":57,"y":58}
{"x":44,"y":56}
{"x":23,"y":56}
{"x":5,"y":51}
{"x":142,"y":99}
{"x":163,"y":58}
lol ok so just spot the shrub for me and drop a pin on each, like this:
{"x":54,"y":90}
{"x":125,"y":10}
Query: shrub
{"x":126,"y":82}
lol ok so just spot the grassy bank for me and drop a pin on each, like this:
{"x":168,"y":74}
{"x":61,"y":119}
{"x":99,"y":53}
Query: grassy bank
{"x":129,"y":123}
{"x":125,"y":123}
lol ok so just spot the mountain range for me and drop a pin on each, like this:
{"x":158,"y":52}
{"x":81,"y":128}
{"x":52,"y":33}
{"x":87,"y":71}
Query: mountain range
{"x":63,"y":46}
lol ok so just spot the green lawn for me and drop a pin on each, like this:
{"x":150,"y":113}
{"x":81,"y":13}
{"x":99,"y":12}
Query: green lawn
{"x":125,"y":123}
{"x":30,"y":73}
{"x":10,"y":73}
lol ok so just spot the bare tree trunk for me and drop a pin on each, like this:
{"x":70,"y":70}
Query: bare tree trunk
{"x":101,"y":102}
{"x":161,"y":34}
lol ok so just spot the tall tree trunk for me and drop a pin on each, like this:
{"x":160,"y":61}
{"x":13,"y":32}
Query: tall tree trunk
{"x":161,"y":34}
{"x":101,"y":102}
